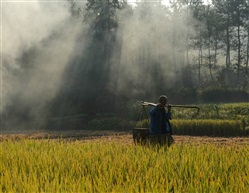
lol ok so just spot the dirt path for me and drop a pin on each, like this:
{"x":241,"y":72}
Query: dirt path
{"x":122,"y":137}
{"x":181,"y":139}
{"x":214,"y":140}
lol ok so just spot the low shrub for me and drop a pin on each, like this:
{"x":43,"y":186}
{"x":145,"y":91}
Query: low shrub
{"x":203,"y":127}
{"x":184,"y":96}
{"x":134,"y":110}
{"x":215,"y":95}
{"x":113,"y":123}
{"x":227,"y":111}
{"x":143,"y":123}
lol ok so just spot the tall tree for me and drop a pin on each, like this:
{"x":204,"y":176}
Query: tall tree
{"x":247,"y":26}
{"x":102,"y":14}
{"x":208,"y":15}
{"x":175,"y":5}
{"x":238,"y":7}
{"x":223,"y":8}
{"x":191,"y":5}
{"x":200,"y":28}
{"x":246,"y":36}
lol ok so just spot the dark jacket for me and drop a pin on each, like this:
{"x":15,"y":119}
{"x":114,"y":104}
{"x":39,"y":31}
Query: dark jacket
{"x":159,"y":121}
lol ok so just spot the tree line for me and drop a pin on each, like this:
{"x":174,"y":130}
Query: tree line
{"x":213,"y":46}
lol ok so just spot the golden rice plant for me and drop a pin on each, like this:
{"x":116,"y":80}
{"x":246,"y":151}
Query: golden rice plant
{"x":62,"y":166}
{"x":208,"y":127}
{"x":201,"y":127}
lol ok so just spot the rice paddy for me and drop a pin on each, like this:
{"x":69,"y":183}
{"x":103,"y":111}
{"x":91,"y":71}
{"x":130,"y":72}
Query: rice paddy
{"x":30,"y":165}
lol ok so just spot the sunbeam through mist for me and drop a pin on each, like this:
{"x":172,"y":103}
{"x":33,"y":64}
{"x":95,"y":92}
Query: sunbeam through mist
{"x":67,"y":58}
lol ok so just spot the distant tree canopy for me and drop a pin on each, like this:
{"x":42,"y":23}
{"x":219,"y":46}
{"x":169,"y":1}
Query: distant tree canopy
{"x":217,"y":34}
{"x":102,"y":14}
{"x":140,"y":50}
{"x":140,"y":47}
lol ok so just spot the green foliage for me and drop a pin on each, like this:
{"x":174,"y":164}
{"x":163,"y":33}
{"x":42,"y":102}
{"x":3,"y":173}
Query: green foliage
{"x":113,"y":123}
{"x":135,"y":110}
{"x":214,"y":94}
{"x":102,"y":14}
{"x":185,"y":95}
{"x":60,"y":166}
{"x":143,"y":123}
{"x":214,"y":111}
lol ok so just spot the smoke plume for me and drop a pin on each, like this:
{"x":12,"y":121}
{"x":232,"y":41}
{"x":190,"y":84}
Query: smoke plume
{"x":39,"y":40}
{"x":54,"y":64}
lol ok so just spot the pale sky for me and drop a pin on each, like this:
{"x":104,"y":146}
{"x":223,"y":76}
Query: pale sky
{"x":165,"y":2}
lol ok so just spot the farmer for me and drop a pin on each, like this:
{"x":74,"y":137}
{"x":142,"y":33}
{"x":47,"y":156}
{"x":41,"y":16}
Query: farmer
{"x":159,"y":118}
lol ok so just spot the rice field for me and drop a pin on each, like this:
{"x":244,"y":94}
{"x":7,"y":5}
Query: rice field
{"x":91,"y":161}
{"x":202,"y":127}
{"x":30,"y":165}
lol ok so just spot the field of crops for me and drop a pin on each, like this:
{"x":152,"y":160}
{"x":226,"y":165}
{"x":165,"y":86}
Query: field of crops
{"x":204,"y":127}
{"x":77,"y":161}
{"x":97,"y":166}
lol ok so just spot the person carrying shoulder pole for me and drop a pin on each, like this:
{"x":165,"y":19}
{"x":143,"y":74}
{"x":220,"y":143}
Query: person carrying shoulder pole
{"x":160,"y":118}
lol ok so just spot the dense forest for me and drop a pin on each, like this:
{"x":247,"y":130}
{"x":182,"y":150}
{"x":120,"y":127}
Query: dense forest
{"x":106,"y":53}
